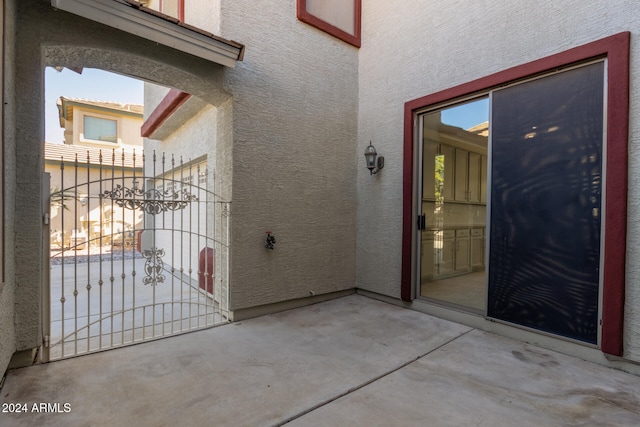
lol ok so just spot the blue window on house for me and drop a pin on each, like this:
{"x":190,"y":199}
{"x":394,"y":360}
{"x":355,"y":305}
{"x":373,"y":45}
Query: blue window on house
{"x":98,"y":129}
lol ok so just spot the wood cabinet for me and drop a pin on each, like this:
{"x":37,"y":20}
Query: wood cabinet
{"x":427,"y":257}
{"x":477,"y":248}
{"x":483,"y":179}
{"x":473,"y":178}
{"x":463,"y":262}
{"x":447,"y":253}
{"x":429,"y":170}
{"x":468,"y":173}
{"x":464,"y":174}
{"x":461,"y":184}
{"x":449,"y":172}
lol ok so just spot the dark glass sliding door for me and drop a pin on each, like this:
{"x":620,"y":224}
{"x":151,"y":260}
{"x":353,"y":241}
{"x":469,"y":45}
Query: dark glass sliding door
{"x":545,"y":203}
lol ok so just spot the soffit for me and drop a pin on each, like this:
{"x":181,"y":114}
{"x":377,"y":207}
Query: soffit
{"x":132,"y":17}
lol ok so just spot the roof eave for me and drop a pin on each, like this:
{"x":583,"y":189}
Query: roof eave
{"x":135,"y":21}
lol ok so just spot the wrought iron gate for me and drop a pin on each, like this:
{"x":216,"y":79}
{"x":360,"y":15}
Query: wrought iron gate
{"x":139,"y":250}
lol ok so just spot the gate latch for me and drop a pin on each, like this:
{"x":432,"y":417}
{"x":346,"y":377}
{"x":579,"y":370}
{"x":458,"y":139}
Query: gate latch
{"x":45,"y":218}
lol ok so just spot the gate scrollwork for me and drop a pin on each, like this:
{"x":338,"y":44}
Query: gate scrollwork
{"x":153,"y":266}
{"x":151,"y":201}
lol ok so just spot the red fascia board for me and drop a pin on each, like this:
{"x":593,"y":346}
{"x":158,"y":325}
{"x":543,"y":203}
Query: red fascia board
{"x":169,"y":105}
{"x":353,"y":39}
{"x":616,"y":49}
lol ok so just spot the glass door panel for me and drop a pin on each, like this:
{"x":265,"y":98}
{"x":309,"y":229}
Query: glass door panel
{"x":453,"y":202}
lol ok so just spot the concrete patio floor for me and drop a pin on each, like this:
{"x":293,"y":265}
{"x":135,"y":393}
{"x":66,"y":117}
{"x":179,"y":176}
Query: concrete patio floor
{"x":353,"y":361}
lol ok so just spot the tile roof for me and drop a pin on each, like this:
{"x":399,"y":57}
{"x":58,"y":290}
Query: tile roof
{"x":91,"y":155}
{"x":129,"y":108}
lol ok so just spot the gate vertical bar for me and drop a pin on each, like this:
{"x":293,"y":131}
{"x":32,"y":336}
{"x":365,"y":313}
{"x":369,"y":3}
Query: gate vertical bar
{"x":100,"y":243}
{"x":62,"y":255}
{"x":173,"y":264}
{"x":73,"y":243}
{"x":88,"y":246}
{"x":112,"y":272}
{"x":123,"y":276}
{"x":46,"y":267}
{"x":134,"y":246}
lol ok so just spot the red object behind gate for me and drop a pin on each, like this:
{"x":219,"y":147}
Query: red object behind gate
{"x":206,"y":268}
{"x":139,"y":241}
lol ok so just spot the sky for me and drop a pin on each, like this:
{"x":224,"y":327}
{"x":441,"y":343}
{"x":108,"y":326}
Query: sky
{"x":92,"y":84}
{"x":101,"y":85}
{"x":468,"y":114}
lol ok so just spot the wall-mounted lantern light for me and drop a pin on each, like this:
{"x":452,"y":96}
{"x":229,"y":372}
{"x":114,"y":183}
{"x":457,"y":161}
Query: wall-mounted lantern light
{"x":374,"y":163}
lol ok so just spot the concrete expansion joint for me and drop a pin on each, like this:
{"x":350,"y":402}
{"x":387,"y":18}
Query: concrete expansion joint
{"x":371,"y":381}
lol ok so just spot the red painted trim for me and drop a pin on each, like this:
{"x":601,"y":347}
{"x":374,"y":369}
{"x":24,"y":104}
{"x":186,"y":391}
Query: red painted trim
{"x":616,"y":207}
{"x":353,"y":39}
{"x":181,"y":10}
{"x":616,"y":49}
{"x":169,"y":105}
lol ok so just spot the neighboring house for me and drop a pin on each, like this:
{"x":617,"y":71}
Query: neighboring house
{"x":101,"y":124}
{"x":532,"y":216}
{"x":78,"y":215}
{"x":98,"y":136}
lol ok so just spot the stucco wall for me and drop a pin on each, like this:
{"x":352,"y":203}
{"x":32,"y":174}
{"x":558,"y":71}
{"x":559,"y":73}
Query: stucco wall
{"x":412,"y":49}
{"x":7,"y":289}
{"x":294,"y":132}
{"x":203,"y":14}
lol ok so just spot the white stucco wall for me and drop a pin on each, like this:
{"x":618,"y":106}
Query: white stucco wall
{"x":412,"y":49}
{"x":203,"y":14}
{"x":294,"y":132}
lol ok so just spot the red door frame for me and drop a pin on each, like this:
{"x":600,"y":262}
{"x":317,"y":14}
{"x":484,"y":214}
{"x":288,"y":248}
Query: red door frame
{"x":616,"y":49}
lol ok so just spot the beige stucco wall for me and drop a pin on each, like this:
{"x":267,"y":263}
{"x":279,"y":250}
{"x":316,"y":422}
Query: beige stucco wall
{"x":294,"y":132}
{"x":8,"y":287}
{"x":412,"y":49}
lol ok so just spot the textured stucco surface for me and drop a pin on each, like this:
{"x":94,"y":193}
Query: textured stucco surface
{"x":412,"y":49}
{"x":7,"y":289}
{"x":294,"y":132}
